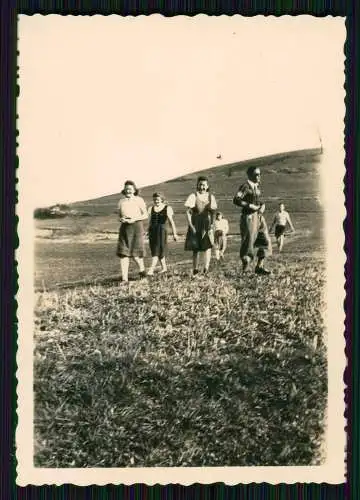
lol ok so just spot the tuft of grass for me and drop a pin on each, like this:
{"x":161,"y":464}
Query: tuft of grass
{"x":225,"y":370}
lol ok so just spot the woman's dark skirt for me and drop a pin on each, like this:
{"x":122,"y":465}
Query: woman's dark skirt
{"x":203,"y":239}
{"x":199,"y":242}
{"x":131,"y":240}
{"x":158,"y":240}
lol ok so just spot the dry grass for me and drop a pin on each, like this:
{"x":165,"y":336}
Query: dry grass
{"x":222,"y":370}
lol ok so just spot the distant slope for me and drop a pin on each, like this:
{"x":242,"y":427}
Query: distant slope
{"x":287,"y":176}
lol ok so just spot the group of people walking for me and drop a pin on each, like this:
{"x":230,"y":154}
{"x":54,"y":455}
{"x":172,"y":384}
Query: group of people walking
{"x":207,"y":228}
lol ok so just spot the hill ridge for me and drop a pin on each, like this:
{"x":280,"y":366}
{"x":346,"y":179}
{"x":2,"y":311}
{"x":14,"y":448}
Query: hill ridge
{"x":239,"y":166}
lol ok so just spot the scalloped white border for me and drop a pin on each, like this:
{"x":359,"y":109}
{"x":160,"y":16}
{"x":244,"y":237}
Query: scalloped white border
{"x":332,"y":471}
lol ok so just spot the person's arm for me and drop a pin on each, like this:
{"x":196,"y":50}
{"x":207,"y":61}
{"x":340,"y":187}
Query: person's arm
{"x":272,"y":224}
{"x":149,"y":219}
{"x":189,"y":205}
{"x":290,"y":223}
{"x":121,"y":218}
{"x":143,"y":210}
{"x":240,"y":202}
{"x":226,"y":227}
{"x":170,"y":215}
{"x":188,"y":216}
{"x":213,"y":208}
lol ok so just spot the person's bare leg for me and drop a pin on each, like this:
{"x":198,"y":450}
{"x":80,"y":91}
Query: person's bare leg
{"x":245,"y":262}
{"x":195,"y":262}
{"x":151,"y":270}
{"x":260,"y":262}
{"x":140,"y":262}
{"x":224,"y":246}
{"x":207,"y":259}
{"x":124,"y":266}
{"x":281,"y":242}
{"x":163,"y":265}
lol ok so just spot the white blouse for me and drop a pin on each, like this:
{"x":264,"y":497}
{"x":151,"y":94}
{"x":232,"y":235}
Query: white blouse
{"x":169,"y":210}
{"x":204,"y":197}
{"x":221,"y":225}
{"x":133,"y":207}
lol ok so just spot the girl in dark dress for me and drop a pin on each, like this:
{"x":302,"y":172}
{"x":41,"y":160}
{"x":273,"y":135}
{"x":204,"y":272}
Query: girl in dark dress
{"x":201,"y":207}
{"x":159,"y":214}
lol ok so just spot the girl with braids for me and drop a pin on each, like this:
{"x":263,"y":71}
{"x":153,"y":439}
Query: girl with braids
{"x":201,"y":207}
{"x":159,"y":214}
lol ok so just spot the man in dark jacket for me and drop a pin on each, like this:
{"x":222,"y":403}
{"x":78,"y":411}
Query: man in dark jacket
{"x":253,"y":229}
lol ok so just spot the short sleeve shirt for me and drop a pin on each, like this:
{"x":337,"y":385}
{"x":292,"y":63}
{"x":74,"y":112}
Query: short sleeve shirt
{"x":169,"y":210}
{"x":134,"y":207}
{"x":191,"y":200}
{"x":222,"y":225}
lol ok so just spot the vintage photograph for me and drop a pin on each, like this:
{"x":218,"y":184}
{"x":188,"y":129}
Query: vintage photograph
{"x":181,"y":255}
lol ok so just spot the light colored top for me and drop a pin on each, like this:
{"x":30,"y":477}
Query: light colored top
{"x":281,"y":218}
{"x":203,"y":197}
{"x":133,"y":207}
{"x":169,"y":210}
{"x":254,"y":185}
{"x":221,"y":225}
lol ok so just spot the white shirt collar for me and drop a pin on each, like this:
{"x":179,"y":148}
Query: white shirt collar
{"x":254,"y":185}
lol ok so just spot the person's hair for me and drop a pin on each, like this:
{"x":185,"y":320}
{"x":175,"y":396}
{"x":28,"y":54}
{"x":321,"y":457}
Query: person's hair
{"x":282,"y":204}
{"x":158,"y":195}
{"x":130,"y":183}
{"x":202,"y":178}
{"x":218,"y":213}
{"x":250,"y":171}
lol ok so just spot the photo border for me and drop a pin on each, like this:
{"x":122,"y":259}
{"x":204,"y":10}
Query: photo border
{"x":9,"y":242}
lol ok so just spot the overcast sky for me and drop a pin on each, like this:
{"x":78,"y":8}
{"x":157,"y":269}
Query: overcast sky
{"x":106,"y":98}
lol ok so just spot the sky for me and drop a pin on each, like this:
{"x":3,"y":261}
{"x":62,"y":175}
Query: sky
{"x":107,"y":98}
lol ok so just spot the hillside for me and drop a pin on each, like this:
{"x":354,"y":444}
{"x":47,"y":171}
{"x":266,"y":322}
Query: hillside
{"x":286,"y":176}
{"x":68,"y":247}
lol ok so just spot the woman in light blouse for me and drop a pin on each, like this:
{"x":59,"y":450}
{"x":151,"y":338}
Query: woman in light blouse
{"x":200,"y":209}
{"x":132,"y":213}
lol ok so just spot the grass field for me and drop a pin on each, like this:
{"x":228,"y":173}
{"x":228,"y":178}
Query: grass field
{"x":227,"y":369}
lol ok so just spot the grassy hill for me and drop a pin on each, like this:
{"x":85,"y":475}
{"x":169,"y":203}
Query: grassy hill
{"x":225,"y":369}
{"x":289,"y":177}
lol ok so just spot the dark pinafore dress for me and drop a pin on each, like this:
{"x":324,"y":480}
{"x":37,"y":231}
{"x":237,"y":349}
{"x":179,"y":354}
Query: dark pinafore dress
{"x":158,"y":233}
{"x":201,"y":217}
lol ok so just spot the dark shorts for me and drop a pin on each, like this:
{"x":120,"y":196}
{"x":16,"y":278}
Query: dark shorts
{"x":279,"y":230}
{"x":219,"y":239}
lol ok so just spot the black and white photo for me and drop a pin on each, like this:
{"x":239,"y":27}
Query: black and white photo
{"x":181,"y":262}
